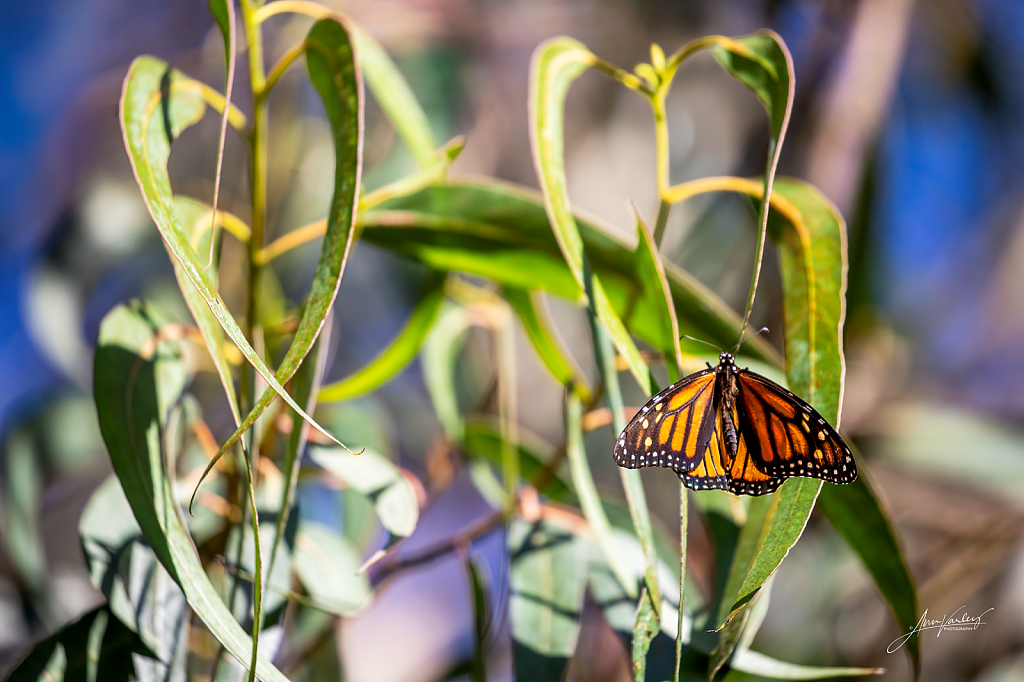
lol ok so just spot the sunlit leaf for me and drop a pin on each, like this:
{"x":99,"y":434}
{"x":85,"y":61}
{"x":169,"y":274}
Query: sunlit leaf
{"x":542,"y":336}
{"x":812,"y":258}
{"x":556,"y":64}
{"x":137,"y":379}
{"x":500,"y":231}
{"x":378,"y":478}
{"x":157,"y":103}
{"x":330,"y":60}
{"x":396,"y":99}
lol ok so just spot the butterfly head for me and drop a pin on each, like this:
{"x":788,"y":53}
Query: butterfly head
{"x":726,"y":363}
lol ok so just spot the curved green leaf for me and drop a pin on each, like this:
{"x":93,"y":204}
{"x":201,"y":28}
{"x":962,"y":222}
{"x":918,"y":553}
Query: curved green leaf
{"x":379,"y":479}
{"x":156,"y":105}
{"x":812,"y":257}
{"x":400,"y":352}
{"x":556,"y":64}
{"x":136,"y":383}
{"x":500,"y":231}
{"x":655,"y":288}
{"x":333,"y":70}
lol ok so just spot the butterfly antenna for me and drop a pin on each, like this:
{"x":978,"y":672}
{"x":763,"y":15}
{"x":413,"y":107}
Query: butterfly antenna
{"x":743,"y":341}
{"x":684,"y":336}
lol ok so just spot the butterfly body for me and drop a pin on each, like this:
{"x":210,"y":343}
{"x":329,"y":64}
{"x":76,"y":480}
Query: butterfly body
{"x":732,"y":429}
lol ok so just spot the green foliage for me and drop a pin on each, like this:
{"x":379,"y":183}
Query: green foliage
{"x":493,"y":251}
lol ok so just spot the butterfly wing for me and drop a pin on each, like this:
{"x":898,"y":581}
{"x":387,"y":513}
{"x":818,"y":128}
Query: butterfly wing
{"x":786,"y":436}
{"x":711,"y":472}
{"x":673,"y":428}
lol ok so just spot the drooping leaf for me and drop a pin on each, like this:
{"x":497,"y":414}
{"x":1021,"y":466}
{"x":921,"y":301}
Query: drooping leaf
{"x":556,"y":64}
{"x":654,"y":284}
{"x":547,"y":581}
{"x":157,"y":103}
{"x":400,"y":352}
{"x":394,"y":96}
{"x":378,"y":478}
{"x":331,"y":62}
{"x":137,"y":379}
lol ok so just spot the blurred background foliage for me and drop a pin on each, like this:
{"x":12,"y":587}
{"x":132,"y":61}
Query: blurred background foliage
{"x":907,"y":116}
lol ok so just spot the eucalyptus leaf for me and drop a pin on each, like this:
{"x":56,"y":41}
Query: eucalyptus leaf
{"x":500,"y":231}
{"x":137,"y":378}
{"x":157,"y":104}
{"x":331,"y":62}
{"x":376,"y":477}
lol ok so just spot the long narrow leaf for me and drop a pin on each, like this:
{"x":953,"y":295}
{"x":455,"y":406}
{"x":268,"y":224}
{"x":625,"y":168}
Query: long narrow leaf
{"x":136,"y":386}
{"x":394,"y":96}
{"x":590,"y":500}
{"x":812,"y":257}
{"x":556,"y":64}
{"x":332,"y":64}
{"x":155,"y":108}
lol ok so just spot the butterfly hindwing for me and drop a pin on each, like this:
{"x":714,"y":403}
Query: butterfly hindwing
{"x":786,"y":436}
{"x":674,"y":427}
{"x":710,"y":473}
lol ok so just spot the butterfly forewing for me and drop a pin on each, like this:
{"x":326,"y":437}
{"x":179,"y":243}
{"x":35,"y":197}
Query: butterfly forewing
{"x":787,"y":437}
{"x":674,"y":427}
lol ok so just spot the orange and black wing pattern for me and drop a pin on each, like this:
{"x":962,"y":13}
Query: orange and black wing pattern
{"x":719,"y":470}
{"x":785,"y":437}
{"x":674,"y":427}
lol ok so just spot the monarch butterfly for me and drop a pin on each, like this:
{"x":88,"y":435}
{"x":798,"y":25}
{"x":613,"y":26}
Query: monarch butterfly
{"x":732,"y":429}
